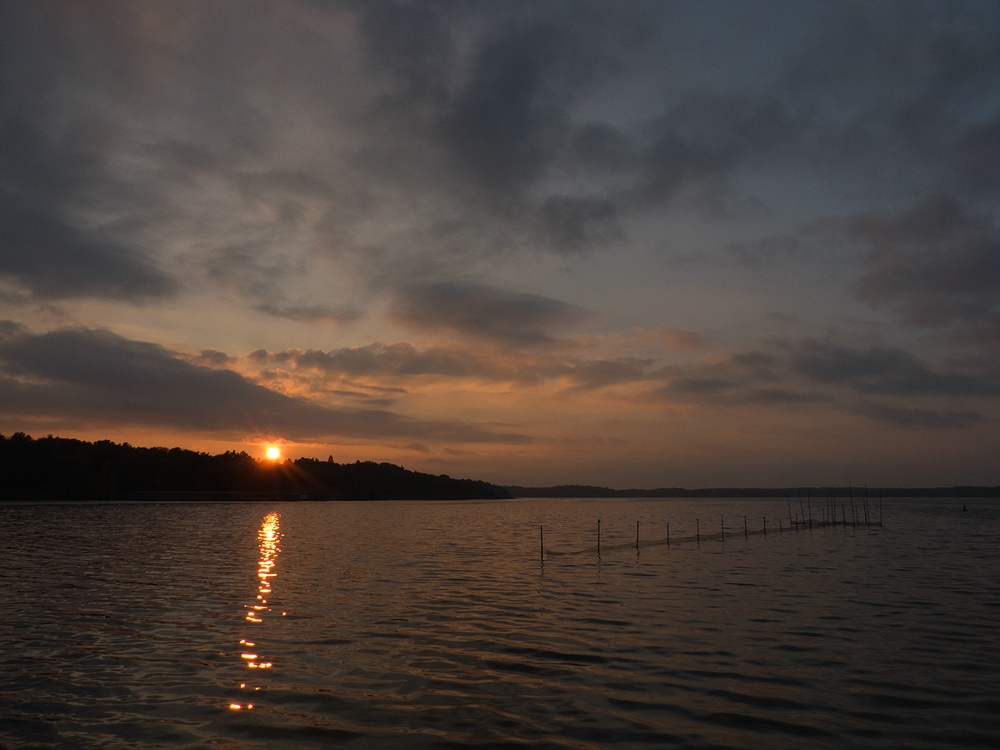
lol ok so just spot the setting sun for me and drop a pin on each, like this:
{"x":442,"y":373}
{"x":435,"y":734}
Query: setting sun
{"x":273,"y":453}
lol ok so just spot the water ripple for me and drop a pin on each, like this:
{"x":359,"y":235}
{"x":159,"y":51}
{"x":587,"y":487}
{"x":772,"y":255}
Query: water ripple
{"x":435,"y":625}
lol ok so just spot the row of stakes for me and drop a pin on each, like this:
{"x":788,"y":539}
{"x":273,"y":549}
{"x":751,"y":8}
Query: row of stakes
{"x":829,"y":518}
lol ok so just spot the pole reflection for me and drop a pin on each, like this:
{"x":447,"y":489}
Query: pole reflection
{"x":268,"y":539}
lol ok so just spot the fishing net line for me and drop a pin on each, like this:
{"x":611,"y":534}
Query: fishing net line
{"x":727,"y":532}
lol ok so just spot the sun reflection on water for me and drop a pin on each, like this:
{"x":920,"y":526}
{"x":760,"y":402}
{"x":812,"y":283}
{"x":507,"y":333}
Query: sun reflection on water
{"x":268,"y":538}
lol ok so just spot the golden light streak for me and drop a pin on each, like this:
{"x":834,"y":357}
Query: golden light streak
{"x":268,"y":537}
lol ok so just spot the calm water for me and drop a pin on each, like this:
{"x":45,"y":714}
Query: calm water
{"x":436,"y":625}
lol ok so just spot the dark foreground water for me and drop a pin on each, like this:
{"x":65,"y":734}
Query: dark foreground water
{"x":436,"y":625}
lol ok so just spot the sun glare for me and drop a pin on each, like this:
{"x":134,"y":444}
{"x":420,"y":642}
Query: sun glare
{"x":273,"y":453}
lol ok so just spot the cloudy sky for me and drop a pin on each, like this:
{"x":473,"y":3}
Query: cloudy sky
{"x":632,"y":244}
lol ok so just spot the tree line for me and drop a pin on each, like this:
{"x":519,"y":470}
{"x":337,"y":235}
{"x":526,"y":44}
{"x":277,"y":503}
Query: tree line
{"x":54,"y":468}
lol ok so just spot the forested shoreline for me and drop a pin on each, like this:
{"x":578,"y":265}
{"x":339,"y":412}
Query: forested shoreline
{"x":54,"y":468}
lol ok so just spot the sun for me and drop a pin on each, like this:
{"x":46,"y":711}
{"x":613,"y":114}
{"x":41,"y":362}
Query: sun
{"x":273,"y":453}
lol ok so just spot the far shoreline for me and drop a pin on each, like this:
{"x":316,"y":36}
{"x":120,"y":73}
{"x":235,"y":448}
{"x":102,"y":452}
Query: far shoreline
{"x":221,"y":498}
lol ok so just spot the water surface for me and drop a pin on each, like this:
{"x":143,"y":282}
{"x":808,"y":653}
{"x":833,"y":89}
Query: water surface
{"x":437,"y":625}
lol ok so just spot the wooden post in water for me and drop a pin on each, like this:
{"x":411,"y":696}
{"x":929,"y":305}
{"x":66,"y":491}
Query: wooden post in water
{"x":781,"y":529}
{"x":789,"y":511}
{"x":697,"y":531}
{"x":745,"y":535}
{"x":802,"y":510}
{"x":722,"y":525}
{"x":541,"y":542}
{"x":843,"y":512}
{"x":867,"y":517}
{"x":765,"y":527}
{"x":598,"y":537}
{"x":668,"y":534}
{"x":809,"y":500}
{"x":636,"y":536}
{"x":880,"y":508}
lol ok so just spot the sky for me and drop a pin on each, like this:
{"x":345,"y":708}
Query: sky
{"x":628,"y":244}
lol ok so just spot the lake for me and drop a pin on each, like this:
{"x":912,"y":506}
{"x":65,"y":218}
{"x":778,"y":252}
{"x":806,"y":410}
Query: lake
{"x":437,"y":625}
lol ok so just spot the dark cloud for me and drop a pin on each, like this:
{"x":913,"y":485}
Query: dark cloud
{"x":888,"y":385}
{"x":41,"y":251}
{"x":703,"y":139}
{"x":911,"y":393}
{"x":99,"y":377}
{"x":926,"y":419}
{"x":494,"y":84}
{"x":296,"y":182}
{"x":884,"y":371}
{"x":602,"y":373}
{"x":767,"y":250}
{"x":938,"y":264}
{"x":701,"y":385}
{"x":400,"y":359}
{"x":890,"y":93}
{"x":404,"y":360}
{"x":977,"y":157}
{"x":310,"y":313}
{"x":491,"y":90}
{"x":485,"y":312}
{"x":504,"y":115}
{"x":214,"y":358}
{"x":254,"y":274}
{"x":507,"y":122}
{"x":54,"y":171}
{"x":601,"y":147}
{"x":769,"y":396}
{"x":247,"y":269}
{"x":572,"y":224}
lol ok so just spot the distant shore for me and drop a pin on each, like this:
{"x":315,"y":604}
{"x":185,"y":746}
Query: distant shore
{"x":572,"y":490}
{"x":61,"y":469}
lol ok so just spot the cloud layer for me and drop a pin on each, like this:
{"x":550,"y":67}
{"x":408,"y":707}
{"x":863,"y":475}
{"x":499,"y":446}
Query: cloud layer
{"x":97,"y":376}
{"x":507,"y":232}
